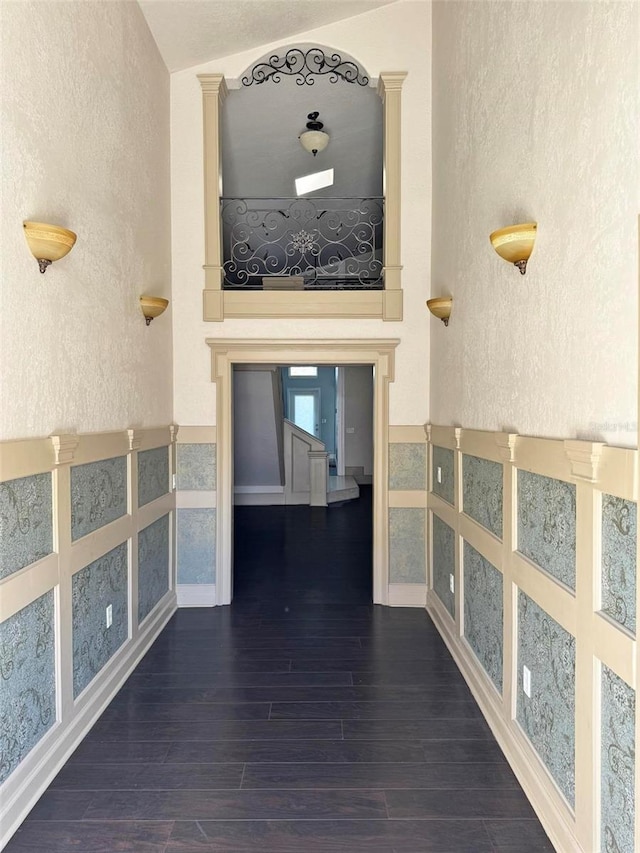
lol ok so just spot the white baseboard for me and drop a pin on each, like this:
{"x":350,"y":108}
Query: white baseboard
{"x":407,"y":594}
{"x":555,"y":816}
{"x":258,"y":496}
{"x":258,"y":499}
{"x":27,"y":783}
{"x":196,"y":594}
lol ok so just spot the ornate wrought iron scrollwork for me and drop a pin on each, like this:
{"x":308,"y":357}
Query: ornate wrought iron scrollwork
{"x":333,"y":243}
{"x":304,"y":66}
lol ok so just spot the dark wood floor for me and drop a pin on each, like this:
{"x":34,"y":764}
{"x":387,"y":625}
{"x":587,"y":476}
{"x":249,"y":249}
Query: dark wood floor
{"x":300,"y":719}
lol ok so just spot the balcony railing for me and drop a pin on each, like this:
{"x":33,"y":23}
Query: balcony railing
{"x":332,"y":243}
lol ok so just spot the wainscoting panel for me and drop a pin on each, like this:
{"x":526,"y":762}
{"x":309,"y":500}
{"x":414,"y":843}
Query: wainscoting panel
{"x":196,"y":467}
{"x":196,"y":499}
{"x":154,"y":560}
{"x":547,"y":524}
{"x":482,"y":492}
{"x":483,"y":618}
{"x":101,"y":584}
{"x":98,"y":494}
{"x":619,"y":547}
{"x":444,"y":563}
{"x":70,"y":549}
{"x":27,"y":671}
{"x":153,"y":474}
{"x":550,"y":586}
{"x":618,"y":745}
{"x":26,"y":522}
{"x":407,"y":545}
{"x":196,"y":546}
{"x":407,"y":517}
{"x":443,"y":476}
{"x":407,"y":467}
{"x":547,"y":716}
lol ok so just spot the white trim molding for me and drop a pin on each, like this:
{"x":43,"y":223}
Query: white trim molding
{"x":225,"y":353}
{"x":196,"y":594}
{"x":219,"y":304}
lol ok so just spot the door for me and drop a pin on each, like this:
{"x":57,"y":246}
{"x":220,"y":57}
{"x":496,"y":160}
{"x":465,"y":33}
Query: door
{"x":304,"y":409}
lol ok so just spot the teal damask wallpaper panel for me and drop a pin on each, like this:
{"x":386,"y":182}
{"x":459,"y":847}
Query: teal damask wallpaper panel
{"x":408,"y":466}
{"x":153,"y":474}
{"x":26,"y":522}
{"x":153,"y":565}
{"x":483,"y":612}
{"x":196,"y":467}
{"x":98,"y":494}
{"x":548,"y":716}
{"x":618,"y":745}
{"x":196,"y":546}
{"x":27,"y":681}
{"x":482,"y":492}
{"x":619,"y":538}
{"x":443,"y":458}
{"x":407,"y":545}
{"x":547,"y":524}
{"x":444,"y":560}
{"x":99,"y":584}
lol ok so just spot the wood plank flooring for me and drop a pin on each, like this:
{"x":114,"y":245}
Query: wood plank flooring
{"x":301,"y":719}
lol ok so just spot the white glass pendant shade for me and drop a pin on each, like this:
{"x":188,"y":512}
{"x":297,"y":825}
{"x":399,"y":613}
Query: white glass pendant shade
{"x":314,"y":141}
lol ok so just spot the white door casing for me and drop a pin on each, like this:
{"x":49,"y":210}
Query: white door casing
{"x":224,"y":354}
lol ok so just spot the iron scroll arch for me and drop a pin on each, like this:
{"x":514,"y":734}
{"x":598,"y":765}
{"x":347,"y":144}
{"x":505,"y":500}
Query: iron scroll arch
{"x":304,"y":66}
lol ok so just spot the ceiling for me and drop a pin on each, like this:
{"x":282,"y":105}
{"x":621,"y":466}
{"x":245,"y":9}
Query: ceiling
{"x":190,"y":32}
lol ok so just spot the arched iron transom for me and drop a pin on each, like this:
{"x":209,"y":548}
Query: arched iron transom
{"x":304,"y":66}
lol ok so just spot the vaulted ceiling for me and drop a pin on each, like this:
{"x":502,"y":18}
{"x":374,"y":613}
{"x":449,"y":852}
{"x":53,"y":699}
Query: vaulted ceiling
{"x":189,"y":32}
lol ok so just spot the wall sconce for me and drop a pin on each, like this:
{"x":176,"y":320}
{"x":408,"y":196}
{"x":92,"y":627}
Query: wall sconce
{"x":515,"y":243}
{"x":152,"y":306}
{"x":440,"y":307}
{"x":314,"y":138}
{"x":48,"y":243}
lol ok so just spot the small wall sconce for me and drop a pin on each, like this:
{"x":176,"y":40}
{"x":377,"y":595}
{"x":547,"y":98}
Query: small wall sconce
{"x":515,"y":243}
{"x":440,"y":307}
{"x":48,"y":243}
{"x":152,"y":306}
{"x":314,"y":138}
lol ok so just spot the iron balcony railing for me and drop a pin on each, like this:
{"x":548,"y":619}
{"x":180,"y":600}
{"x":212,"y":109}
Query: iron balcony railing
{"x":332,"y":243}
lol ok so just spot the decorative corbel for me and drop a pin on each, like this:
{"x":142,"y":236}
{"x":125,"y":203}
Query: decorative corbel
{"x":584,"y":457}
{"x":64,"y":447}
{"x":506,"y":442}
{"x":135,"y":438}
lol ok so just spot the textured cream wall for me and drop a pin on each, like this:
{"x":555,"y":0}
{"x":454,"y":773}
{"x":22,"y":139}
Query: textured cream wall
{"x":85,"y":144}
{"x":535,"y":117}
{"x":394,"y":38}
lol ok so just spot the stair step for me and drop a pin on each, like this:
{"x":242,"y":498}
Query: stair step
{"x":342,"y":489}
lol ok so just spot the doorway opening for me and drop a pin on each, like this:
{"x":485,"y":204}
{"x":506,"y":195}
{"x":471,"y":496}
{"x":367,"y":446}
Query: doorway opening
{"x":226,"y":354}
{"x":301,"y":531}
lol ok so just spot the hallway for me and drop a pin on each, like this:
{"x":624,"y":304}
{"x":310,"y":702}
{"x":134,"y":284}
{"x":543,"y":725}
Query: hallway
{"x":301,"y":718}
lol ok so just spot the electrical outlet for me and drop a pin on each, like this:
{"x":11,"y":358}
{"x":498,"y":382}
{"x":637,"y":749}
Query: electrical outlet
{"x":439,"y":474}
{"x":109,"y":615}
{"x":452,"y":583}
{"x":526,"y":681}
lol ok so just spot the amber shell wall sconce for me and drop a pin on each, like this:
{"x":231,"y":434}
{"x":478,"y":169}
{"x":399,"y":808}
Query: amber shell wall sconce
{"x":48,"y":243}
{"x":152,"y":307}
{"x":440,"y":307}
{"x":515,"y":243}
